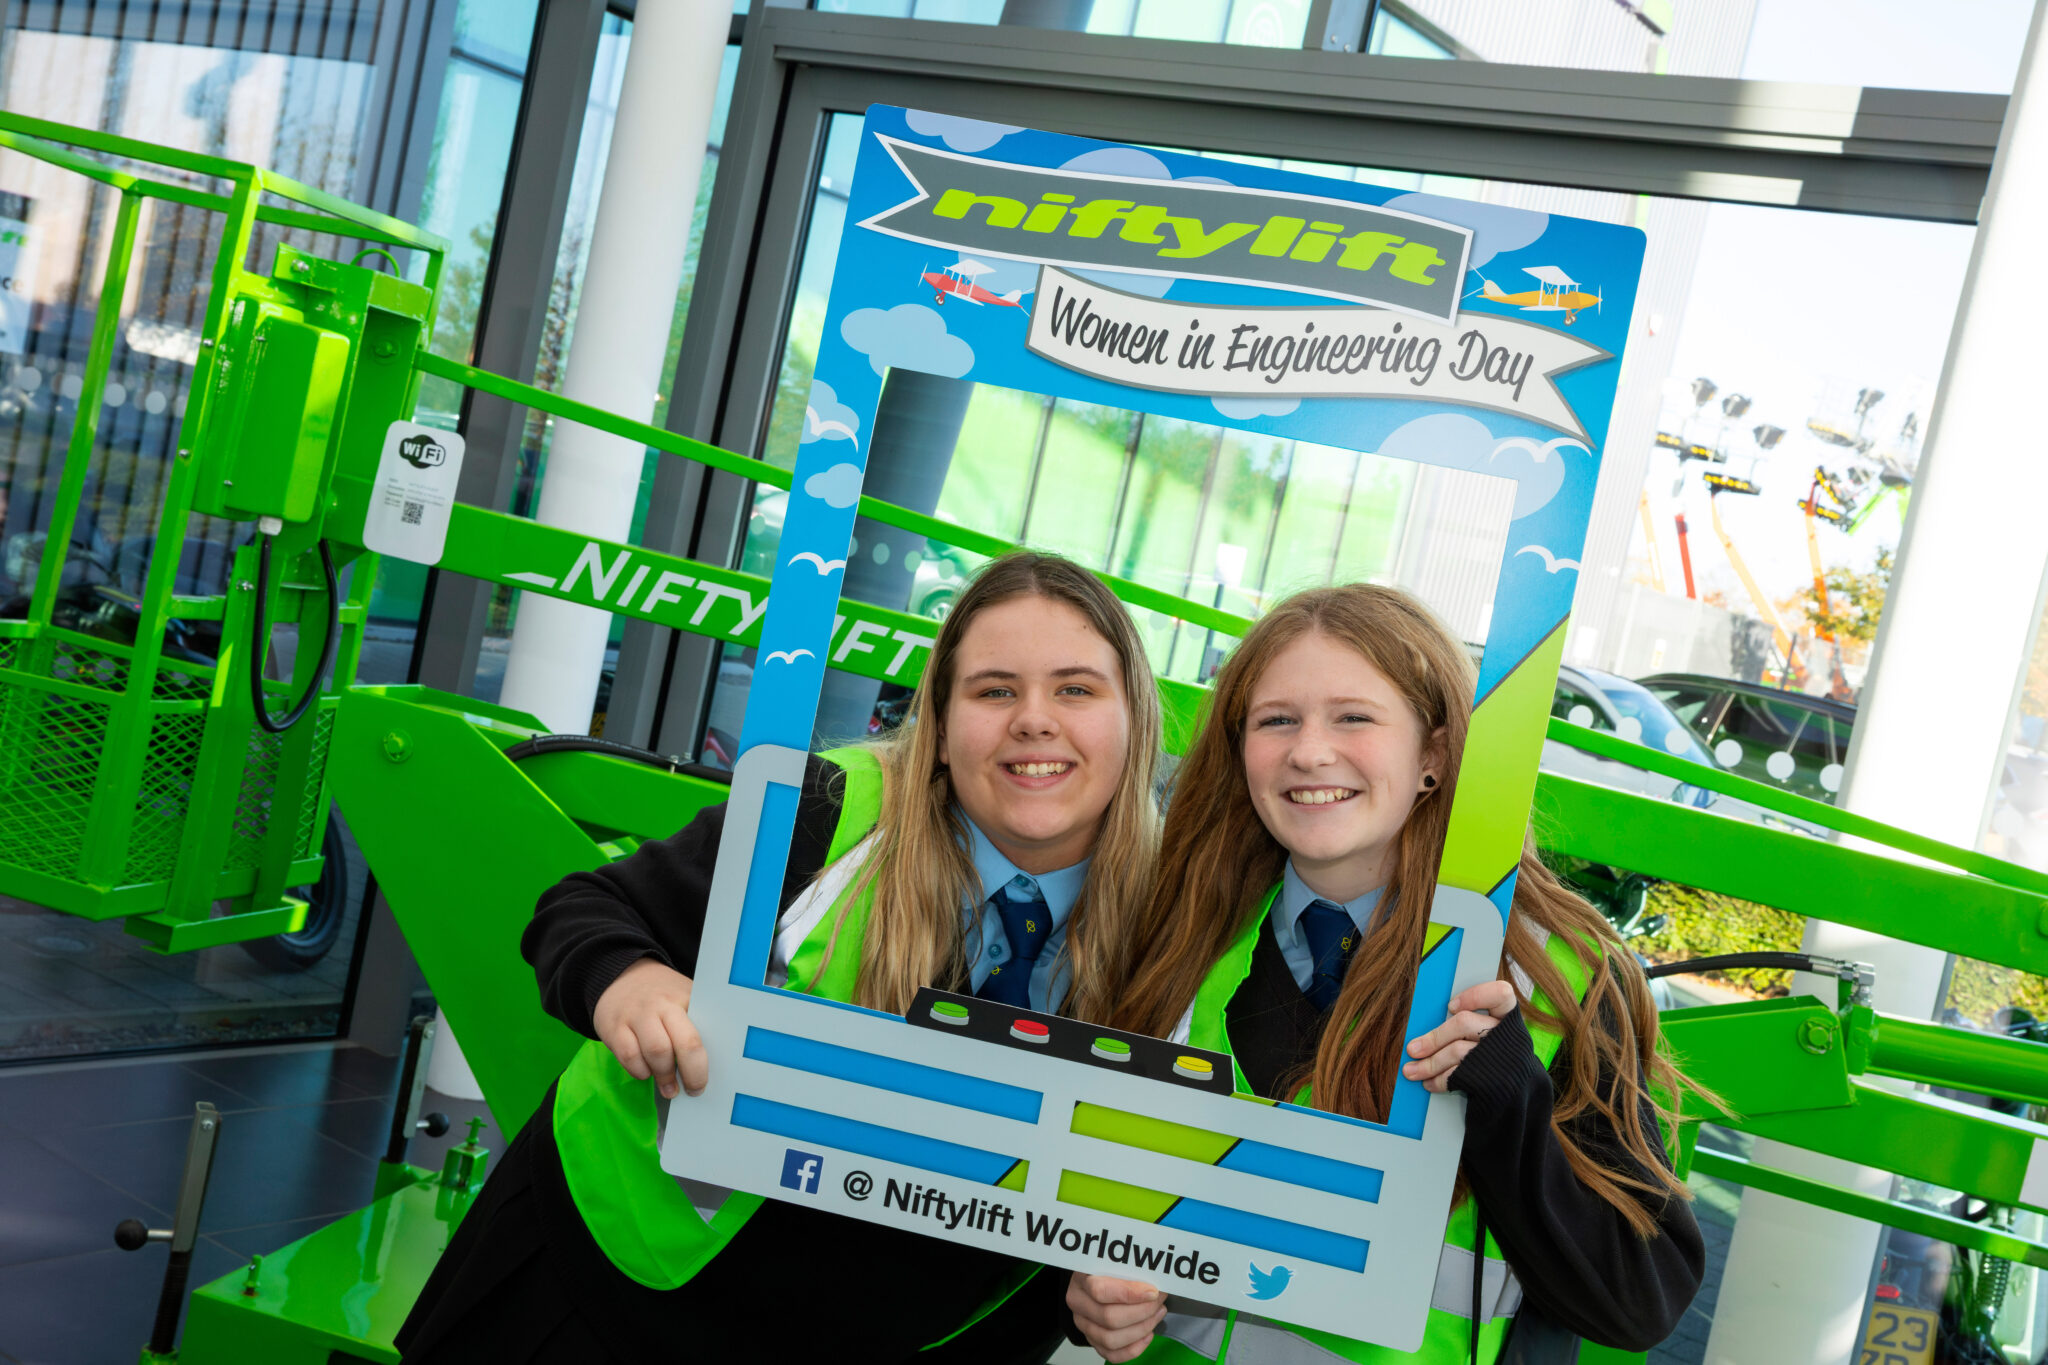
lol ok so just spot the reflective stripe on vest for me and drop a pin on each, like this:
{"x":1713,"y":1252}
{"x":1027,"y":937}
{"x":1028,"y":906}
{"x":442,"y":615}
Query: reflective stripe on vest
{"x":1233,"y":1338}
{"x":657,"y":1229}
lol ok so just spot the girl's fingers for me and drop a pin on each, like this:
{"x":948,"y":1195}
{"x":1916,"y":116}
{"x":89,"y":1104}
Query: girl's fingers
{"x":691,"y":1061}
{"x":1109,"y":1304}
{"x":1110,"y":1289}
{"x":658,"y":1051}
{"x":626,"y":1047}
{"x":1125,"y":1343}
{"x":1463,"y":1026}
{"x":1432,"y":1069}
{"x":1495,"y":997}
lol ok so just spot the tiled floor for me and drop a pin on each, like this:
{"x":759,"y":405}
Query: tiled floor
{"x":85,"y":1145}
{"x":71,"y":986}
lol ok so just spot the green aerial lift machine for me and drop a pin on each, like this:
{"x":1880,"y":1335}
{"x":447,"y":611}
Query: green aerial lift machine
{"x":181,"y":791}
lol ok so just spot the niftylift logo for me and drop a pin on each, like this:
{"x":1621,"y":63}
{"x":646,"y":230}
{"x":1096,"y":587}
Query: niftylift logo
{"x":802,"y":1171}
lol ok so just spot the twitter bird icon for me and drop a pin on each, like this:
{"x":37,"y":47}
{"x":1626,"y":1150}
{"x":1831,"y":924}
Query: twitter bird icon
{"x":1268,"y":1284}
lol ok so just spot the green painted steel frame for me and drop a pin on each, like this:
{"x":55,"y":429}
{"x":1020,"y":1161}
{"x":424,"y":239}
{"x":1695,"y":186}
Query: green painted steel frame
{"x":177,"y":911}
{"x":1788,"y":1069}
{"x":950,"y":533}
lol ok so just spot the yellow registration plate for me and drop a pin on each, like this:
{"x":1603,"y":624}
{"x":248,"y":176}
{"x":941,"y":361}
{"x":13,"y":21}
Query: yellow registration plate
{"x":1899,"y":1336}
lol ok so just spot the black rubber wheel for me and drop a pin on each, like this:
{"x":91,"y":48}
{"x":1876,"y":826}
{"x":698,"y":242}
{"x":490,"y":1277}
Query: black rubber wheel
{"x":326,"y":906}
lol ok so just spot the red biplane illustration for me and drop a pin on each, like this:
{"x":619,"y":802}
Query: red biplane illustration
{"x":958,"y":280}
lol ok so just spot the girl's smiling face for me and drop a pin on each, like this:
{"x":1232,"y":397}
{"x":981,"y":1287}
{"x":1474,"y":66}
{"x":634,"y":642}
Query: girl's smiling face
{"x":1036,"y":730}
{"x":1335,"y":759}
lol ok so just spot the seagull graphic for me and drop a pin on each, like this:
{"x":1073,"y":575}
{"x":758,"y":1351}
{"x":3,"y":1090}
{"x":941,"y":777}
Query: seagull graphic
{"x":825,"y":566}
{"x":825,"y":426}
{"x":790,"y":656}
{"x":1551,"y":563}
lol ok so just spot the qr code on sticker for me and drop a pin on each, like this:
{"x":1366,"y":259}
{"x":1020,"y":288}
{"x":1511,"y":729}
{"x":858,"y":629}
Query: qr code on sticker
{"x":412,"y":512}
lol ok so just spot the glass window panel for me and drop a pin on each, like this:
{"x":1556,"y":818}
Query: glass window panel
{"x":296,"y":98}
{"x":895,"y":9}
{"x":1112,"y":16}
{"x":960,"y":11}
{"x":1393,"y":36}
{"x":1311,"y":519}
{"x":1198,"y":21}
{"x":1372,"y":524}
{"x":995,"y":492}
{"x":1267,"y":23}
{"x":1080,"y":467}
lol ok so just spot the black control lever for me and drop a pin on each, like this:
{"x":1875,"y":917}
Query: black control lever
{"x":132,"y":1234}
{"x":406,"y":1118}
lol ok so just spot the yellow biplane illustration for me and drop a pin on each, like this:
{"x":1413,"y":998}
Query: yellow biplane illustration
{"x":1555,"y":292}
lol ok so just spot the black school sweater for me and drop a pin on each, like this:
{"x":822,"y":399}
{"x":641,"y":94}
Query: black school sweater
{"x":1580,"y":1264}
{"x":855,"y":1291}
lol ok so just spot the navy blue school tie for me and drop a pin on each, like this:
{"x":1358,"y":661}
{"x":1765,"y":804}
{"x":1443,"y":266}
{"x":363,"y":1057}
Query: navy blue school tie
{"x":1331,"y":938}
{"x":1027,"y":923}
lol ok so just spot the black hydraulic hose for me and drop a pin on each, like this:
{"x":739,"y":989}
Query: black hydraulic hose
{"x":1797,"y":962}
{"x":260,"y":642}
{"x":592,"y":744}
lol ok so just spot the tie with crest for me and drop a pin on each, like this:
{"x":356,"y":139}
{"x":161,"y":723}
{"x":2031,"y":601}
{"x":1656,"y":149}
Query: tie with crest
{"x":1332,"y":938}
{"x":1027,"y":923}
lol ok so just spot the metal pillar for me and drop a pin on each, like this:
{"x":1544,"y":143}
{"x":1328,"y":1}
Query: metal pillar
{"x":1957,"y":627}
{"x":637,"y":247}
{"x":917,"y":425}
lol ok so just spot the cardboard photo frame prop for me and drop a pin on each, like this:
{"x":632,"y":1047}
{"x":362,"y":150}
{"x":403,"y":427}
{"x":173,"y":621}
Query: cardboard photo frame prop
{"x":1328,"y":311}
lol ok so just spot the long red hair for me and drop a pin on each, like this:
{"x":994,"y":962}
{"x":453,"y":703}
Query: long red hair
{"x":1217,"y":861}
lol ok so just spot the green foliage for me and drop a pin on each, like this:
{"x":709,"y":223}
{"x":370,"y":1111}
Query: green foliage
{"x":1855,"y":600}
{"x":1705,"y":924}
{"x":1978,"y":990}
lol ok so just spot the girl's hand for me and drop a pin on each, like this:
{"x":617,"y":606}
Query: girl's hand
{"x":1117,"y":1316}
{"x":1436,"y":1054}
{"x":644,"y":1018}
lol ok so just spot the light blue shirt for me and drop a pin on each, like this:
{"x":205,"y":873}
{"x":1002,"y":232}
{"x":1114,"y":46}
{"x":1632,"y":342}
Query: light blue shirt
{"x":1285,"y":918}
{"x":989,"y":942}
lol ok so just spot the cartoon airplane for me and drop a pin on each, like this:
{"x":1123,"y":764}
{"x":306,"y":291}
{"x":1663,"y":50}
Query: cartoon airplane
{"x":1556,"y":292}
{"x":958,"y":280}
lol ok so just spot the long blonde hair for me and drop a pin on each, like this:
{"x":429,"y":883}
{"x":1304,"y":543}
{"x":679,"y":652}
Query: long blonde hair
{"x":1217,"y":860}
{"x":917,"y":862}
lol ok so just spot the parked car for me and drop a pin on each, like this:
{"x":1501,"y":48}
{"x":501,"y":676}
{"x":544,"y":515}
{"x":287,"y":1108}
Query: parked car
{"x":1610,"y":704}
{"x":1613,"y":704}
{"x":1786,"y":739}
{"x":1801,"y":743}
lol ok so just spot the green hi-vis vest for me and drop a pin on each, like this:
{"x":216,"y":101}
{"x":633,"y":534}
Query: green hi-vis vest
{"x":645,"y":1219}
{"x":605,"y":1121}
{"x":1234,"y":1338}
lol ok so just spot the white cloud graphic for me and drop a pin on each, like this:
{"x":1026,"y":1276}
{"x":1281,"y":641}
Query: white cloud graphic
{"x":1242,"y":408}
{"x":910,"y":335}
{"x":1459,"y":442}
{"x":1538,"y":466}
{"x":838,"y":486}
{"x":961,"y":134}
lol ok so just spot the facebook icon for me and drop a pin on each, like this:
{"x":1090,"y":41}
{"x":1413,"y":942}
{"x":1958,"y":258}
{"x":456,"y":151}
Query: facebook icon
{"x":801,"y":1170}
